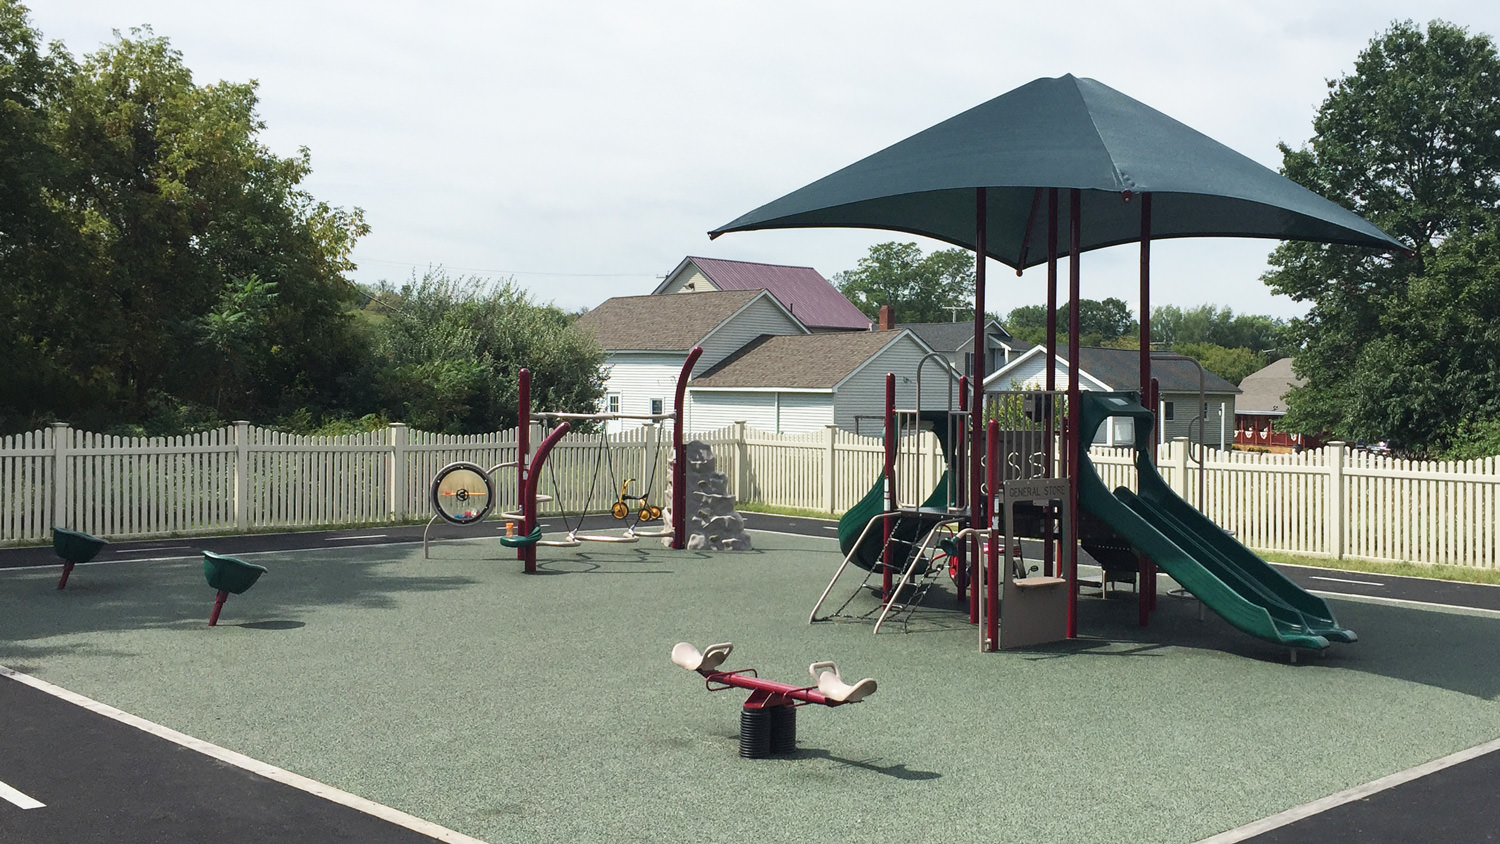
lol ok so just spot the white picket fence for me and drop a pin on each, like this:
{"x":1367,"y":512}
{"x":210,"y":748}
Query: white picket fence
{"x":1332,"y":502}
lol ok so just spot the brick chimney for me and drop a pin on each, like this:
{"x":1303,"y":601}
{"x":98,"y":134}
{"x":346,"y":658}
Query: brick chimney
{"x":887,"y":317}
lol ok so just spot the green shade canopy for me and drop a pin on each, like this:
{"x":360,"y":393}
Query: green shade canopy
{"x":1063,"y":133}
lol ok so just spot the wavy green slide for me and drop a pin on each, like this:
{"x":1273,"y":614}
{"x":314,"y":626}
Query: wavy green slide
{"x":1227,"y":577}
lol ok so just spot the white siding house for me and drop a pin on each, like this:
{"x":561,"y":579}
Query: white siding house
{"x":646,"y":340}
{"x":1118,"y":370}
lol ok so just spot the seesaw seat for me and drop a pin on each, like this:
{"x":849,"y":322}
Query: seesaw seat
{"x":833,"y":686}
{"x":687,"y":656}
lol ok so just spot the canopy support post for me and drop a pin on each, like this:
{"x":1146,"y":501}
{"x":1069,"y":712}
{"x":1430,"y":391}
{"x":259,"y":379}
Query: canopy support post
{"x":1075,"y":436}
{"x":978,"y":515}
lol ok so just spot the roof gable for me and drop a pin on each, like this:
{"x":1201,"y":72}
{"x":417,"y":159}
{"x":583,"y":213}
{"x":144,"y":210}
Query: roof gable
{"x":664,"y":323}
{"x":1121,"y":370}
{"x":799,"y":361}
{"x":1264,"y":391}
{"x":954,"y":336}
{"x":803,"y":291}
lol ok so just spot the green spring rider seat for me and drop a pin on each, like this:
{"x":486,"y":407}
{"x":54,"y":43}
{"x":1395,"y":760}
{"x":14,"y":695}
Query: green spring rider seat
{"x":229,"y":575}
{"x":74,"y":547}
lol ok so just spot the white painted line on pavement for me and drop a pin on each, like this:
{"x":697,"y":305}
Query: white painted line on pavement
{"x":153,"y":549}
{"x":254,"y":766}
{"x":11,"y":795}
{"x":1342,"y":580}
{"x":366,"y":536}
{"x":1359,"y":792}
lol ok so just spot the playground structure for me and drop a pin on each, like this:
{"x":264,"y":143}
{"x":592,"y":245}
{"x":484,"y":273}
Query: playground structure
{"x":768,"y":719}
{"x":1031,"y":459}
{"x":465,"y":493}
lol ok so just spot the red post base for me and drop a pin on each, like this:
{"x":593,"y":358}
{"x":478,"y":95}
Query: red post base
{"x":67,"y":570}
{"x":218,"y":605}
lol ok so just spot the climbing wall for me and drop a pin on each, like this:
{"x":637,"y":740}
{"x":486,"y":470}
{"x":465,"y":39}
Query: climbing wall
{"x":712,"y":523}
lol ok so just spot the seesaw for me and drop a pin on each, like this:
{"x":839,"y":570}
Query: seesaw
{"x":768,"y":720}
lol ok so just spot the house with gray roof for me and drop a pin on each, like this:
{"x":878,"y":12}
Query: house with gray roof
{"x":1119,"y":370}
{"x":956,"y":341}
{"x":1262,"y":403}
{"x":797,"y":383}
{"x":647,"y":339}
{"x":760,"y":364}
{"x":803,"y":291}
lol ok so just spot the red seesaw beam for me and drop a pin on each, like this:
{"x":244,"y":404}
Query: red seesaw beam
{"x":830,"y":689}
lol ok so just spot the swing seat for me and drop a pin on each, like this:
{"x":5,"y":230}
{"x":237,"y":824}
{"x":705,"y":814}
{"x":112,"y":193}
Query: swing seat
{"x":522,"y":541}
{"x":687,"y":656}
{"x":600,"y":537}
{"x":228,"y":574}
{"x":833,"y":687}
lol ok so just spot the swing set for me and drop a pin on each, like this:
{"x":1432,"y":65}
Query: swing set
{"x":464,"y":493}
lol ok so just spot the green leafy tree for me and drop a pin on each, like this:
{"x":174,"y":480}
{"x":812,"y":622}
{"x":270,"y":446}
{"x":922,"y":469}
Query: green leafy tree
{"x":1230,"y":364}
{"x":39,"y":246}
{"x":921,"y":288}
{"x":1171,"y":326}
{"x":1100,"y":323}
{"x":449,"y":350}
{"x":167,"y":202}
{"x":1403,"y":349}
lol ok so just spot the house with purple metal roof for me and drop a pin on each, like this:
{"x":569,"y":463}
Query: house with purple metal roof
{"x":803,"y":291}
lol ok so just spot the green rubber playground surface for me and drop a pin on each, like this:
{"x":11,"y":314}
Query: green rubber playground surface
{"x":544,"y":708}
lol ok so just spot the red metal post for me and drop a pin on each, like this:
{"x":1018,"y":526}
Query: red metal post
{"x":977,"y":516}
{"x":1074,"y":436}
{"x":213,"y":618}
{"x":679,"y":468}
{"x":523,"y":446}
{"x":1050,"y":426}
{"x":890,"y":482}
{"x":992,"y":558}
{"x":1145,"y":291}
{"x":528,"y":494}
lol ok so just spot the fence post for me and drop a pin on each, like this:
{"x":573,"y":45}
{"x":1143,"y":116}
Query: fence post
{"x":741,"y":461}
{"x":396,"y":472}
{"x":241,"y":475}
{"x":62,"y":437}
{"x":830,"y":484}
{"x":1335,"y":517}
{"x":1179,"y":457}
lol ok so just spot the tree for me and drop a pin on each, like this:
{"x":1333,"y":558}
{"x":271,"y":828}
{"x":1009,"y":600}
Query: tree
{"x":921,"y":288}
{"x":1403,"y":349}
{"x":1172,"y":326}
{"x":165,"y":204}
{"x":1099,"y":322}
{"x":448,"y":351}
{"x":38,"y":246}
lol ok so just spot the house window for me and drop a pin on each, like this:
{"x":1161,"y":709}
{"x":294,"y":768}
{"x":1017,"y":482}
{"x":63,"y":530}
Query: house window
{"x":1168,"y":411}
{"x":656,"y":407}
{"x":612,"y":403}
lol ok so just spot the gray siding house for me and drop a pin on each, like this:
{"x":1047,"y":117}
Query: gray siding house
{"x":793,"y":384}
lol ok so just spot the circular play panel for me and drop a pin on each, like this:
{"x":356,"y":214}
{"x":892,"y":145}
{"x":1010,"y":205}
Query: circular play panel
{"x":462,"y":493}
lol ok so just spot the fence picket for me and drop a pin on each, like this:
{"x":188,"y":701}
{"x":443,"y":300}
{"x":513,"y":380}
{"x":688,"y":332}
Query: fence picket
{"x":244,"y":476}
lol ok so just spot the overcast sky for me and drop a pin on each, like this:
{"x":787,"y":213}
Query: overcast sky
{"x":584,"y":148}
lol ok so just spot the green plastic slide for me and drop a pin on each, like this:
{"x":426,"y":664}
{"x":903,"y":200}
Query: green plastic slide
{"x":904,"y":530}
{"x":1227,"y":577}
